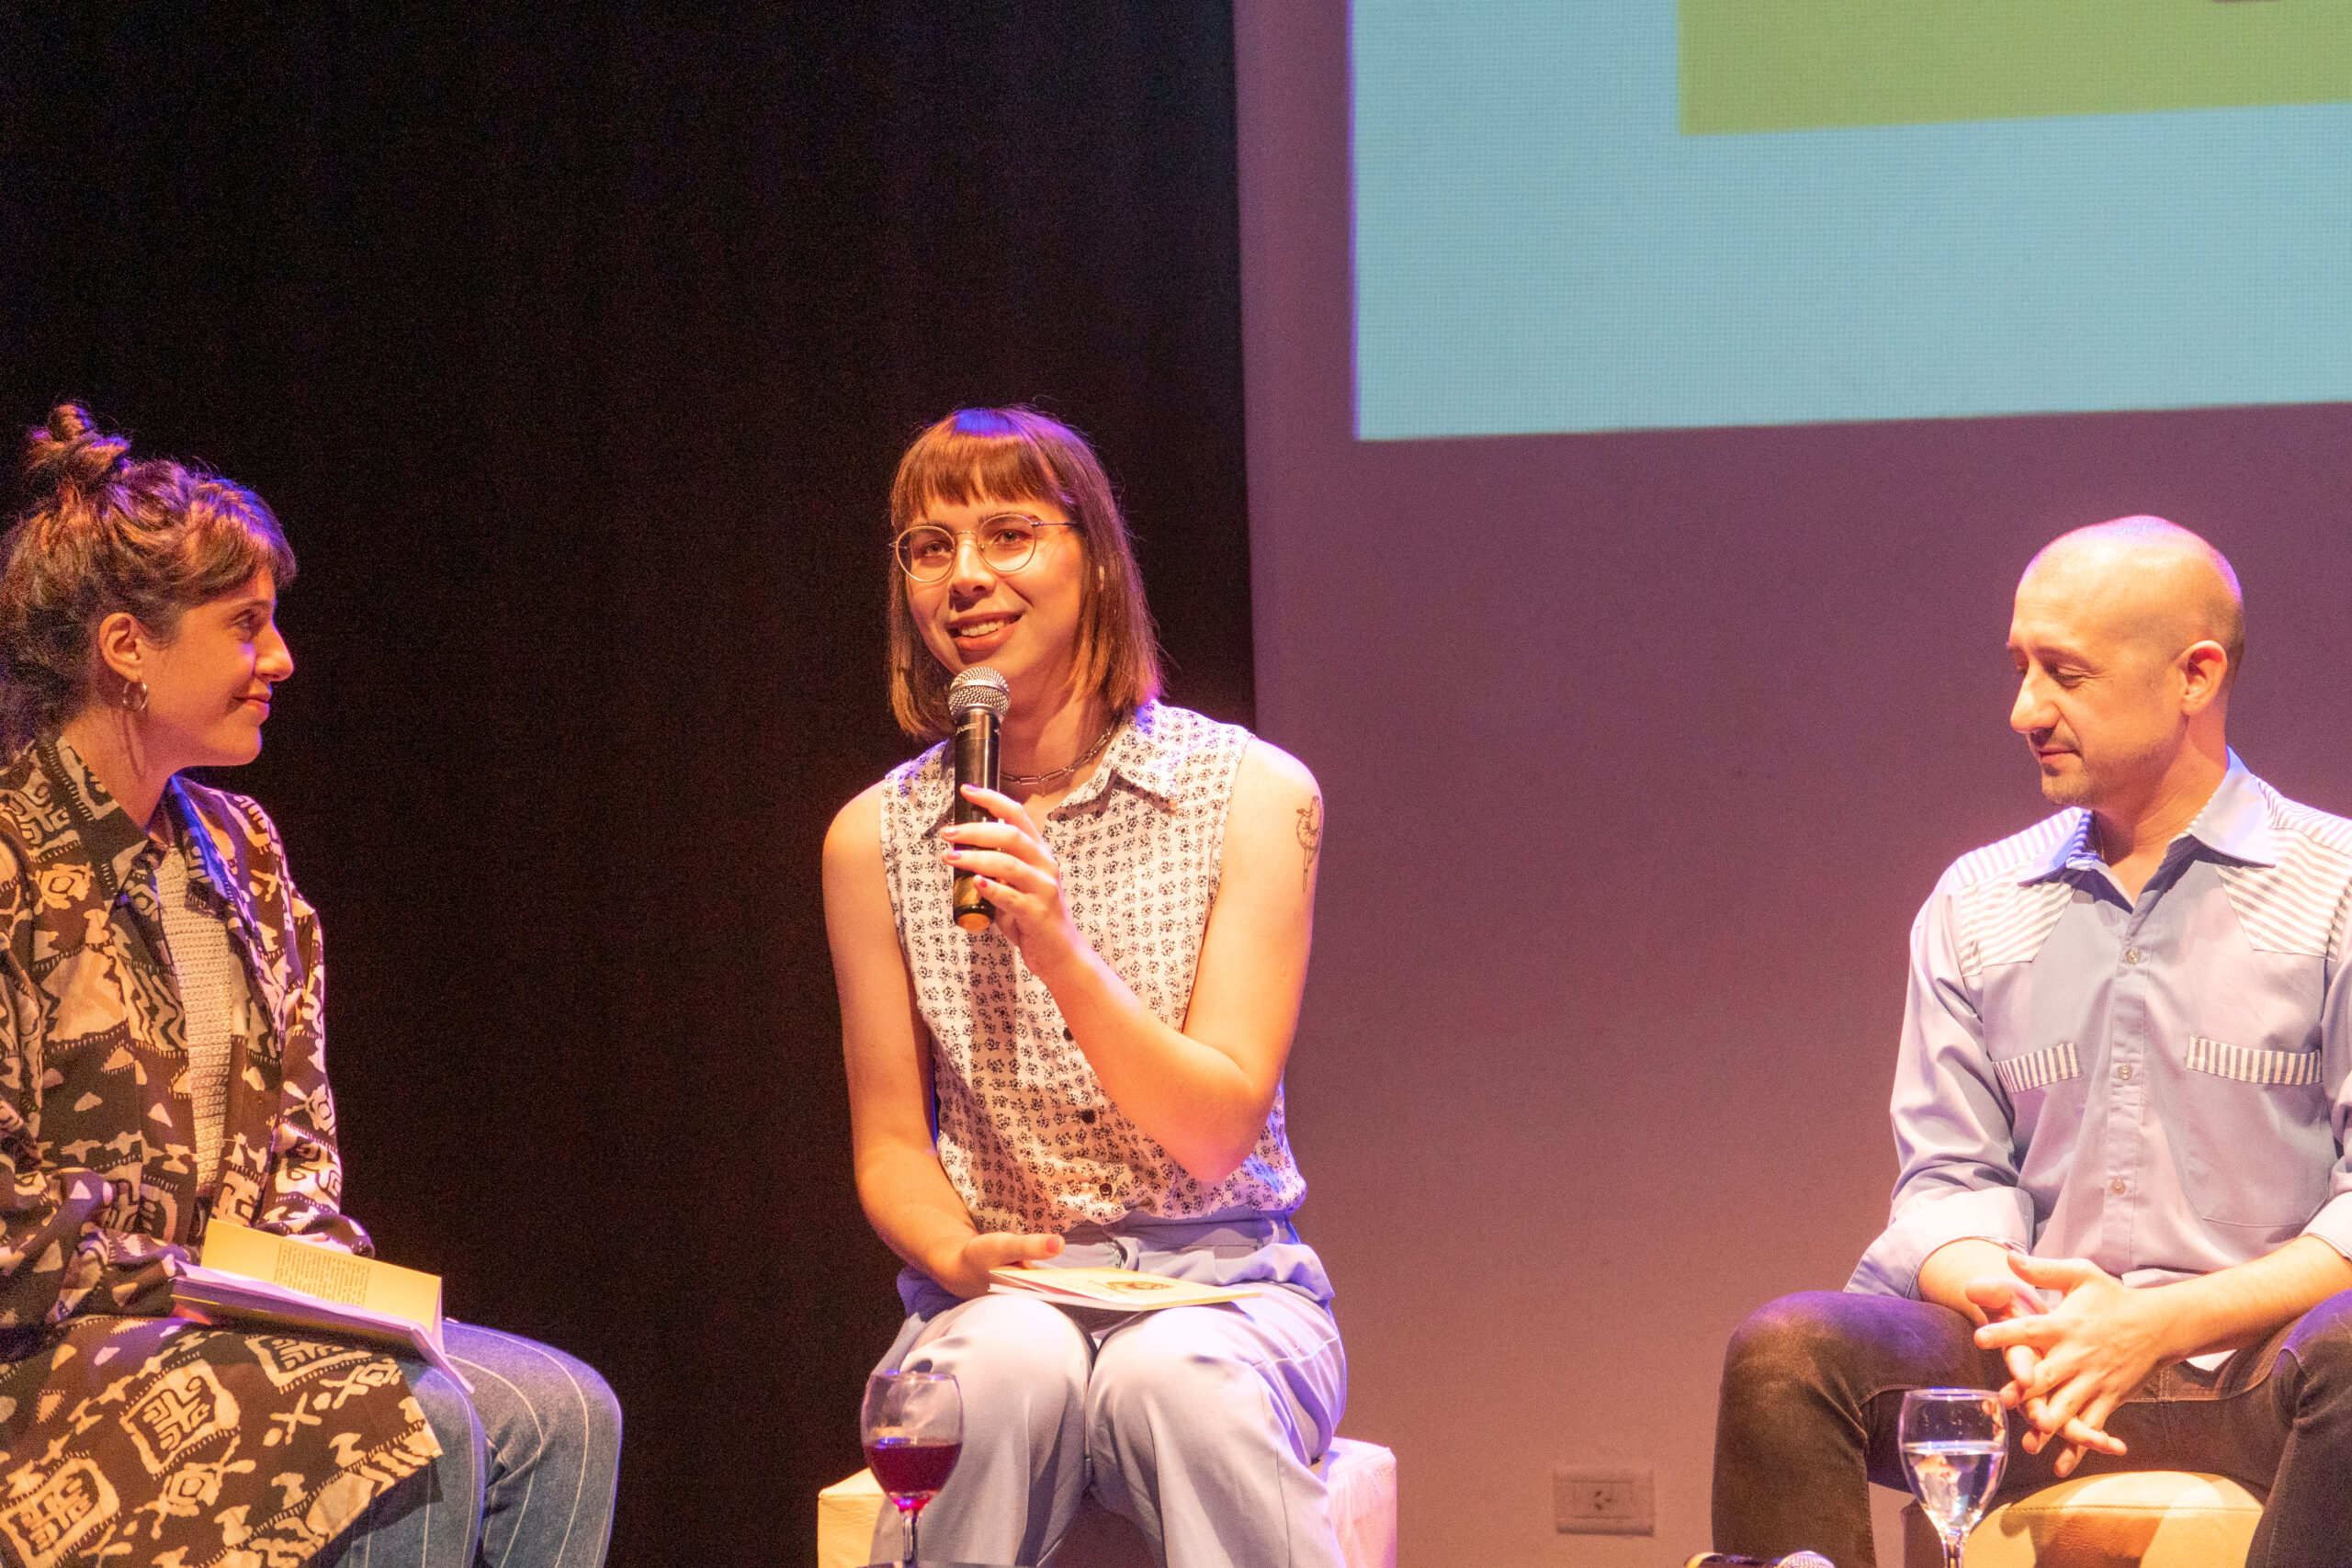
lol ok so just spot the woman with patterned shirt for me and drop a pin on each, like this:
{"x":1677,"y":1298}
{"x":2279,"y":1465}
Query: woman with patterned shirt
{"x":162,"y":1063}
{"x":1103,"y":1066}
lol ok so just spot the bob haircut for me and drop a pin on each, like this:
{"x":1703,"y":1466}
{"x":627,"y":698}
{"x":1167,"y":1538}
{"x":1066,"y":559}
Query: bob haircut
{"x":153,"y":537}
{"x":1015,"y":455}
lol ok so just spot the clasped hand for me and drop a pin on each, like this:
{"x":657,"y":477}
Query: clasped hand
{"x":2072,"y":1364}
{"x":1017,"y":875}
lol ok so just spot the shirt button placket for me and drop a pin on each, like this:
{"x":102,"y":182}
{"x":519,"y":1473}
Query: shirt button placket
{"x":2127,"y":1036}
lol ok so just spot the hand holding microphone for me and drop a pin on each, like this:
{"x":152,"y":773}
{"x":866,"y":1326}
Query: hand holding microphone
{"x":978,"y":700}
{"x":1005,"y":875}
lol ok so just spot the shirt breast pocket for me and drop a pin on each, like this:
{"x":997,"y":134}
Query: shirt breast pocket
{"x":2039,"y":1069}
{"x":2047,"y":1082}
{"x":2254,"y":1148}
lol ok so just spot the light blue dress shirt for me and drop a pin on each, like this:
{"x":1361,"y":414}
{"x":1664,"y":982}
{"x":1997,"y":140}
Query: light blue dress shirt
{"x":2157,"y":1085}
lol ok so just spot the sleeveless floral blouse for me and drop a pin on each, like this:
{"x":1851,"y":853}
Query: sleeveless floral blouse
{"x":1025,"y":1132}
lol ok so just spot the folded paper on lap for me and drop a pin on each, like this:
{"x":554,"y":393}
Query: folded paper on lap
{"x":1111,"y":1290}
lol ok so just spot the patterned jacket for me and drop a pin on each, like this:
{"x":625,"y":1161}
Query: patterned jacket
{"x":99,"y":1184}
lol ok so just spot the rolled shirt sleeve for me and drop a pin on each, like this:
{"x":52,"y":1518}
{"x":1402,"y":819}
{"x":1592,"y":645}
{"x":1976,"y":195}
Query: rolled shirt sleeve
{"x":2332,"y":1224}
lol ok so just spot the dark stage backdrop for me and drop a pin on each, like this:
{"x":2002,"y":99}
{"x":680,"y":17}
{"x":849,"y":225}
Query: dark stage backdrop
{"x":574,"y":348}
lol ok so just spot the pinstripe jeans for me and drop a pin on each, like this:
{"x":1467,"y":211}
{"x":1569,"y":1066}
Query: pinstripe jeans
{"x":526,"y":1470}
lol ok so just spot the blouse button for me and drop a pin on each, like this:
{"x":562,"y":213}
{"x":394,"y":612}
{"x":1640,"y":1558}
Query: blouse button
{"x":2118,"y":1186}
{"x":1068,"y":1035}
{"x":1087,"y":1117}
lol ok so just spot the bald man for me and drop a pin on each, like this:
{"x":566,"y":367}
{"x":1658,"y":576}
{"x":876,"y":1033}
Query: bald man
{"x":2120,"y":1106}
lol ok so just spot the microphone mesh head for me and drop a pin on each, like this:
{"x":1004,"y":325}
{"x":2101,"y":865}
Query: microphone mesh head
{"x":979,"y":687}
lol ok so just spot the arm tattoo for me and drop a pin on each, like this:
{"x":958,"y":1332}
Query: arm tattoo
{"x":1310,"y":834}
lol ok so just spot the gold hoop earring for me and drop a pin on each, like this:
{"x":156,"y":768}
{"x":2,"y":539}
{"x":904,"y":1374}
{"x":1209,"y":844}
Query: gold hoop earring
{"x":135,"y":696}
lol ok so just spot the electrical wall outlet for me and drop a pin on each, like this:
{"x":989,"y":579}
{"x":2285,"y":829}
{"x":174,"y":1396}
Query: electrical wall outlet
{"x":1602,"y":1502}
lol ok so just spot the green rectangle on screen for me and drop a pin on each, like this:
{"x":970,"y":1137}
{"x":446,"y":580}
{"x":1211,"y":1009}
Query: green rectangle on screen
{"x":1749,"y":65}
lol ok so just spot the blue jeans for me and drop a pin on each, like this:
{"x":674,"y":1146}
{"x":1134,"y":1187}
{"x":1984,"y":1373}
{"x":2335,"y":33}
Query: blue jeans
{"x":526,"y":1470}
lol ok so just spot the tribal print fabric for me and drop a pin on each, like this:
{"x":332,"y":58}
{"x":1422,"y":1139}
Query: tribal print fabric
{"x":1026,"y":1133}
{"x":131,"y":1438}
{"x":152,"y":1458}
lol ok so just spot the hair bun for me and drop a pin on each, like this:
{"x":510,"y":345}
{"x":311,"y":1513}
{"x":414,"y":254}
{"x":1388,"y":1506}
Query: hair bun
{"x":70,"y":453}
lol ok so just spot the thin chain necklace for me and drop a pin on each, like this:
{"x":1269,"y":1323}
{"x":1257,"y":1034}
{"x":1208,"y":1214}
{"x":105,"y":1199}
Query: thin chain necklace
{"x":1085,"y":757}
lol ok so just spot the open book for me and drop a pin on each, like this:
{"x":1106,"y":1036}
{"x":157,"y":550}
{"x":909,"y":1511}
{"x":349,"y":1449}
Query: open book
{"x":1111,"y":1290}
{"x":253,"y":1276}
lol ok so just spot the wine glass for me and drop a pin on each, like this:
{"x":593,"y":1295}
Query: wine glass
{"x":1955,"y":1442}
{"x":912,"y":1428}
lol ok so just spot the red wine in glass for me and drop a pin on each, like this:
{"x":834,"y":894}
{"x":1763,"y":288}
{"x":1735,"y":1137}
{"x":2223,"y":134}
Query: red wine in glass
{"x":909,"y":1467}
{"x":912,"y":1430}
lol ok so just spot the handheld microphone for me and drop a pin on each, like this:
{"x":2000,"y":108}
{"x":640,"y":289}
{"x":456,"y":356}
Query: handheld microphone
{"x":977,"y":700}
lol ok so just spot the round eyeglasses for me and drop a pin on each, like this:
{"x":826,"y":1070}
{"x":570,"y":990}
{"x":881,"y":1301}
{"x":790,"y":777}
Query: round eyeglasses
{"x":927,"y":551}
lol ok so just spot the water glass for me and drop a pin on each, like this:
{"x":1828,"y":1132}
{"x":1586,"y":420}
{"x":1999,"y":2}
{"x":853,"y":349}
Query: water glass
{"x":1955,"y":1442}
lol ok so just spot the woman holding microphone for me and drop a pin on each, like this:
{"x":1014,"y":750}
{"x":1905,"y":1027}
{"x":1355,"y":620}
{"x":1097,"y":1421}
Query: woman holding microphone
{"x":1103,"y":1065}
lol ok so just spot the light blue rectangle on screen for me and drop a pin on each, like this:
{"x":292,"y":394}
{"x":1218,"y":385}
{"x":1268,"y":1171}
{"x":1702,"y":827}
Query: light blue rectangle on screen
{"x":1539,"y":248}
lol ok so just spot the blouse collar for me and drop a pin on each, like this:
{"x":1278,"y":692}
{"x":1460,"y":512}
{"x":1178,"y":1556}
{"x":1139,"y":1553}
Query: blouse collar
{"x":1137,"y":755}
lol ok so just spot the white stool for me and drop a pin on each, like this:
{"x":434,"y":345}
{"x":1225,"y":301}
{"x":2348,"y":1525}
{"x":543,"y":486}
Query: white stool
{"x":2147,"y":1518}
{"x":1361,"y":1478}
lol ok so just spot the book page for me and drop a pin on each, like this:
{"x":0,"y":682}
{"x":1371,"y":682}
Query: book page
{"x":338,"y":1276}
{"x":212,"y":1295}
{"x":324,"y":1271}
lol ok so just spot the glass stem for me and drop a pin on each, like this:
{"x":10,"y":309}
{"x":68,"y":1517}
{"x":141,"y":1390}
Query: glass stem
{"x":1955,"y":1551}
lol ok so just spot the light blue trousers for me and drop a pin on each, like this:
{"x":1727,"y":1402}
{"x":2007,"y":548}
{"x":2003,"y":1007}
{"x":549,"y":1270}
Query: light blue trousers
{"x":527,"y":1466}
{"x":1203,"y":1425}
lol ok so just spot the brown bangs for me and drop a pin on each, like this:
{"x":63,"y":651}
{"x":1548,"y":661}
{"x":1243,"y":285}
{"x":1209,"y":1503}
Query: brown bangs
{"x":232,"y":535}
{"x":971,"y":462}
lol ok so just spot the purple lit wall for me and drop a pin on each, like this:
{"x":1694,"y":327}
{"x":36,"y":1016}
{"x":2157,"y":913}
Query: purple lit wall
{"x":1641,"y":751}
